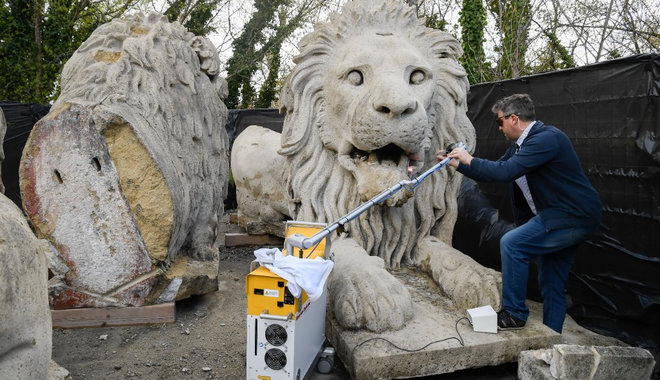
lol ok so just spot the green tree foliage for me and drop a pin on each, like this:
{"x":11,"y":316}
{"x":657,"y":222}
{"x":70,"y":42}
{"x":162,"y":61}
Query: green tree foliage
{"x":38,"y":36}
{"x":512,"y":18}
{"x":473,"y":21}
{"x":196,"y":16}
{"x":555,"y":56}
{"x":245,"y":59}
{"x":262,"y":38}
{"x":268,"y":91}
{"x":434,"y":21}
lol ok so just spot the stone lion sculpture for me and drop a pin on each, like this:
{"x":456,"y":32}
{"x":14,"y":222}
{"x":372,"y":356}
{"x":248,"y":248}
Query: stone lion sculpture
{"x":373,"y":93}
{"x":25,"y":331}
{"x":130,"y":167}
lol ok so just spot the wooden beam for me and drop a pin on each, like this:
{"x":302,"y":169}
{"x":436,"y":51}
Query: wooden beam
{"x":234,"y":239}
{"x":233,"y":218}
{"x":113,"y":316}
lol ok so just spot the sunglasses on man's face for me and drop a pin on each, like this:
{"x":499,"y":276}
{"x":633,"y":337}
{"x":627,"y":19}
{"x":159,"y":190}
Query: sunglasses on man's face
{"x":500,"y":120}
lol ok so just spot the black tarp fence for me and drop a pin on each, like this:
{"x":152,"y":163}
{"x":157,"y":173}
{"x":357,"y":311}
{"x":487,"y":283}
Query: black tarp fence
{"x":610,"y":111}
{"x":20,"y":119}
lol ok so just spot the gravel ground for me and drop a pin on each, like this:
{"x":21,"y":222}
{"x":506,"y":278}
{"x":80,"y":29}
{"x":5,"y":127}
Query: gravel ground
{"x":207,"y":341}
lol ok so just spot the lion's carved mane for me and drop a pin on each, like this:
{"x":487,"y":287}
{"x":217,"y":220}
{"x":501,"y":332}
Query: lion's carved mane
{"x":130,"y":166}
{"x":164,"y":81}
{"x":389,"y":232}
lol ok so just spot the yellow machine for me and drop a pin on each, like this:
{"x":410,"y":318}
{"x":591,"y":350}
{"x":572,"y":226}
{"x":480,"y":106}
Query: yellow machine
{"x":285,"y":334}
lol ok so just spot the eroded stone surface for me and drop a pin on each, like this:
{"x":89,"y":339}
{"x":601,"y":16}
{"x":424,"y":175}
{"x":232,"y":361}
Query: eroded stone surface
{"x":57,"y":372}
{"x":25,"y":330}
{"x":129,"y":169}
{"x":367,"y":355}
{"x":257,"y":171}
{"x":535,"y":365}
{"x":570,"y":361}
{"x":358,"y":117}
{"x":3,"y":130}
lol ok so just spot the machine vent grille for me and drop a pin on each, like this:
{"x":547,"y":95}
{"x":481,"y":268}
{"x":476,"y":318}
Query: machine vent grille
{"x":275,"y":358}
{"x":276,"y":335}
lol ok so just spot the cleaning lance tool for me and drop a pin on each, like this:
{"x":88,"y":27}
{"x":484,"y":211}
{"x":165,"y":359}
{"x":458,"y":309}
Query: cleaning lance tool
{"x":304,"y":242}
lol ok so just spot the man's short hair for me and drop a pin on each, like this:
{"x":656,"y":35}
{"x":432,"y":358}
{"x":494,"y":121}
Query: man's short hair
{"x":519,"y":104}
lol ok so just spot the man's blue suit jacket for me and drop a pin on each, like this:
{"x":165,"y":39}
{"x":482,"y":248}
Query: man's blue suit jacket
{"x":561,"y":192}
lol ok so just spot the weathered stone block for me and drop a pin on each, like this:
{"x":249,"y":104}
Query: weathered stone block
{"x":130,"y":167}
{"x":535,"y":365}
{"x":567,"y":361}
{"x":572,"y":362}
{"x":25,"y":325}
{"x":57,"y":372}
{"x":624,"y":363}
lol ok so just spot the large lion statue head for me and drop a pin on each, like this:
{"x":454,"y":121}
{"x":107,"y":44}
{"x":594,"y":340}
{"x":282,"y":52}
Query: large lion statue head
{"x":373,"y":95}
{"x":130,"y":167}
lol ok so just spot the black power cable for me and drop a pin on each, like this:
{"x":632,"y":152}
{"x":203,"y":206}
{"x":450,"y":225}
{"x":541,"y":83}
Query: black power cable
{"x":459,"y":339}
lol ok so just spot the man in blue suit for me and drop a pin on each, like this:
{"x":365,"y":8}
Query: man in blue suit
{"x":555,"y":208}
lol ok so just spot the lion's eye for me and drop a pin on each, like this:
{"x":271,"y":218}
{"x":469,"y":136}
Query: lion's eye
{"x":355,"y":78}
{"x":417,"y":77}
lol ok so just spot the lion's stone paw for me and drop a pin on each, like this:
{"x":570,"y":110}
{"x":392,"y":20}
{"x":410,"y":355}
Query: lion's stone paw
{"x":475,"y":286}
{"x":370,"y":297}
{"x":466,"y":282}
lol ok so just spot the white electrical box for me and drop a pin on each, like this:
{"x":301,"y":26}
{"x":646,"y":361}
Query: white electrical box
{"x":483,"y":319}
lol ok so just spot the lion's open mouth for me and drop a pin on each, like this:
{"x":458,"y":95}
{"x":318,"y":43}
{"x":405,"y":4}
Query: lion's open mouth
{"x":389,"y":155}
{"x":379,"y":169}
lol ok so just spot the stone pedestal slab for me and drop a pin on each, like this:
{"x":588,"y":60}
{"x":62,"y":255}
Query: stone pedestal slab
{"x":368,"y":355}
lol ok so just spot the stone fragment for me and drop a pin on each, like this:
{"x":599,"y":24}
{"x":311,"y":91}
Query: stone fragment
{"x":568,"y":361}
{"x":129,"y":169}
{"x":535,"y":365}
{"x":187,"y":277}
{"x":25,"y":324}
{"x":624,"y":363}
{"x":57,"y":372}
{"x":572,"y":362}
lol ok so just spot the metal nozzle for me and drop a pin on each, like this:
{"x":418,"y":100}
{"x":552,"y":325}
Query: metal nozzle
{"x":455,"y":145}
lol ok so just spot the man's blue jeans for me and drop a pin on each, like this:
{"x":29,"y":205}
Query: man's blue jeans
{"x":554,"y":251}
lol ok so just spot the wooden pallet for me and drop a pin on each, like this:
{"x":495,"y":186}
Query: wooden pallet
{"x":234,"y":239}
{"x":113,"y":316}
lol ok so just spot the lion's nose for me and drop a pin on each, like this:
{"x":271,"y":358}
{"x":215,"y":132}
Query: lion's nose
{"x":393,"y":104}
{"x":393,"y":110}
